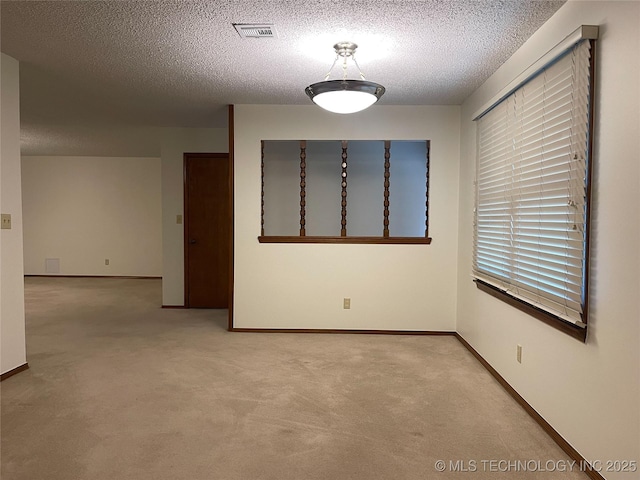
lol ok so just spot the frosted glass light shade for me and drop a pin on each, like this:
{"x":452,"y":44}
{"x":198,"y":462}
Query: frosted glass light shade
{"x":345,"y":96}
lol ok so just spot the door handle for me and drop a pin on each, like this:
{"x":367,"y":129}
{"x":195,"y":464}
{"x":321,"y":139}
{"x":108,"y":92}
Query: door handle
{"x":192,"y":241}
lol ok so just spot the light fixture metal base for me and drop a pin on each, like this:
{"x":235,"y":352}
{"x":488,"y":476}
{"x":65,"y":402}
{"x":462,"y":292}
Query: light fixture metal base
{"x":364,"y":86}
{"x":345,"y":49}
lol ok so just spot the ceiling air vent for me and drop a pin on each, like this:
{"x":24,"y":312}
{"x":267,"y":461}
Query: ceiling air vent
{"x":255,"y":30}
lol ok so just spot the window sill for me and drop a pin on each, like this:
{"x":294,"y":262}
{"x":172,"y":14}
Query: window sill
{"x":352,"y":240}
{"x":548,"y":318}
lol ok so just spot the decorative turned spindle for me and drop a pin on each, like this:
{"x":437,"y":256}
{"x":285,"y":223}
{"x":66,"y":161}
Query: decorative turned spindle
{"x":303,"y":186}
{"x":426,"y":220}
{"x":262,"y":188}
{"x":343,"y":222}
{"x":387,"y":175}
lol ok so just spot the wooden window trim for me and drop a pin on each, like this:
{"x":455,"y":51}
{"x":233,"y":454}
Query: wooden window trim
{"x":361,"y":240}
{"x":569,"y":328}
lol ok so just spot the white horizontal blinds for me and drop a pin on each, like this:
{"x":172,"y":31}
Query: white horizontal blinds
{"x":530,"y":233}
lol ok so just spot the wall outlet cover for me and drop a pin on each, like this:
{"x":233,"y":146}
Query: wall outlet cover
{"x":6,"y":221}
{"x":52,"y":265}
{"x":519,"y":353}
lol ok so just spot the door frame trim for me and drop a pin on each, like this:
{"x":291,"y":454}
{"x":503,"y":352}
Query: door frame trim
{"x":185,"y":216}
{"x":231,"y":149}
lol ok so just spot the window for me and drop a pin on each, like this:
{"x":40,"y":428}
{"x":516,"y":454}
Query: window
{"x":532,"y":193}
{"x":338,"y":191}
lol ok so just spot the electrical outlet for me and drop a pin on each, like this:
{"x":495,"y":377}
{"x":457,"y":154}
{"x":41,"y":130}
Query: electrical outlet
{"x":346,"y":303}
{"x":106,"y":261}
{"x":6,"y":221}
{"x":519,"y":353}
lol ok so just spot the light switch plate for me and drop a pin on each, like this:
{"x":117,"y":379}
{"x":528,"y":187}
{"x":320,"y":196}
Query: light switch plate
{"x":6,"y":221}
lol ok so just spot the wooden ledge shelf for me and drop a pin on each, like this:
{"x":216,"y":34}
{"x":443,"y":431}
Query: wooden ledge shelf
{"x":360,"y":240}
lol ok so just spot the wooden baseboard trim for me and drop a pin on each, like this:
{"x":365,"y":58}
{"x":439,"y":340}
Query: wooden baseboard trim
{"x":546,"y":426}
{"x":173,"y":306}
{"x":334,"y":331}
{"x":95,"y":276}
{"x":13,"y":371}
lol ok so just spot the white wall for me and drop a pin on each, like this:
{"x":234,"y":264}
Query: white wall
{"x":175,"y":143}
{"x":589,"y":392}
{"x":12,"y":330}
{"x":83,"y":210}
{"x":394,"y":287}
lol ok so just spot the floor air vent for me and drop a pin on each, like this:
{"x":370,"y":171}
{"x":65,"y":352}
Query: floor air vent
{"x":255,"y":30}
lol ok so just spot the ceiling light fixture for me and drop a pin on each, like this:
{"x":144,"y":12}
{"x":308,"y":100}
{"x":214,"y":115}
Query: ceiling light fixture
{"x":345,"y":96}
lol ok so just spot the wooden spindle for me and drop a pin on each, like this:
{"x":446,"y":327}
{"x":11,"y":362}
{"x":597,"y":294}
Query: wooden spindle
{"x":303,"y":186}
{"x":262,"y":188}
{"x":426,"y":220}
{"x":343,"y":222}
{"x":387,"y":175}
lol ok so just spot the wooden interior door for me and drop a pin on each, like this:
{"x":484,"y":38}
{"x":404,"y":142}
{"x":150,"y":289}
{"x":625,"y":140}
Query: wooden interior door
{"x":207,"y":229}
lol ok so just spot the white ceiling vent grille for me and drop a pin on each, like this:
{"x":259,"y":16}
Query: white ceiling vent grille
{"x":255,"y":30}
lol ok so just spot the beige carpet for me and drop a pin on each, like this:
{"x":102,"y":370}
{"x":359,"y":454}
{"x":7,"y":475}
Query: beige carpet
{"x":121,"y":389}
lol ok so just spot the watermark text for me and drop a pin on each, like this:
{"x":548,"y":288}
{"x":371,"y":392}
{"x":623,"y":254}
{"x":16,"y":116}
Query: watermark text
{"x":511,"y":466}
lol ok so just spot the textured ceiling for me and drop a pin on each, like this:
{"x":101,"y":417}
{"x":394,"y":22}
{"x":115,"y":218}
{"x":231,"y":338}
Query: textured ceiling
{"x":89,"y":68}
